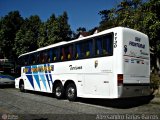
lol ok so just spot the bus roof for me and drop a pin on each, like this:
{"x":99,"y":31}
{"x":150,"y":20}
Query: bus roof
{"x":79,"y":39}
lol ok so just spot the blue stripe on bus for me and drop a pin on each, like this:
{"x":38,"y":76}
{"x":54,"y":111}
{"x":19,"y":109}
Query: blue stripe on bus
{"x":37,"y":80}
{"x":43,"y":80}
{"x":29,"y":75}
{"x":46,"y":73}
{"x":35,"y":75}
{"x":42,"y":77}
{"x":30,"y":78}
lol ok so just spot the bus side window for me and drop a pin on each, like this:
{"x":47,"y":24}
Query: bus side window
{"x":69,"y":52}
{"x":88,"y":48}
{"x":32,"y":59}
{"x":37,"y":58}
{"x":46,"y":57}
{"x":54,"y":55}
{"x":49,"y":56}
{"x":83,"y":49}
{"x":98,"y":47}
{"x":78,"y":52}
{"x":103,"y":46}
{"x":107,"y":45}
{"x":89,"y":54}
{"x":26,"y":60}
{"x":41,"y":57}
{"x":63,"y":55}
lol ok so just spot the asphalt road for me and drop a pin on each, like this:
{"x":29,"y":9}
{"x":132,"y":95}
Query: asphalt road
{"x":39,"y":106}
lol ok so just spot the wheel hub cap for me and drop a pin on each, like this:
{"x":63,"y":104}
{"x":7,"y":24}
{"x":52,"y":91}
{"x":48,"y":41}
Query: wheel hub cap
{"x":71,"y":92}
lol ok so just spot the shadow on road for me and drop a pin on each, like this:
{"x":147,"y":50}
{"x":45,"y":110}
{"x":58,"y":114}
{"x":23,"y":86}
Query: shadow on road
{"x":122,"y":103}
{"x":119,"y":103}
{"x":7,"y":86}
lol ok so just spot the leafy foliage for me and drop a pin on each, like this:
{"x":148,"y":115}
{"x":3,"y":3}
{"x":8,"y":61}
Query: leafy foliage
{"x":9,"y":25}
{"x":155,"y":81}
{"x":138,"y":15}
{"x":27,"y":37}
{"x":81,"y":29}
{"x":18,"y":35}
{"x":56,"y":29}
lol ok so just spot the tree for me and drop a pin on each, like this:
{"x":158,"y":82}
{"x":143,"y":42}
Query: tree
{"x":50,"y":24}
{"x":151,"y":26}
{"x":138,"y":15}
{"x":63,"y":28}
{"x":27,"y":37}
{"x":23,"y":41}
{"x":42,"y":37}
{"x":125,"y":14}
{"x":58,"y":29}
{"x":18,"y":36}
{"x":108,"y":19}
{"x":81,"y":29}
{"x":9,"y":25}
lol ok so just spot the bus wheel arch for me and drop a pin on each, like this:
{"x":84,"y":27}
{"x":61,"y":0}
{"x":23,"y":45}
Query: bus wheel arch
{"x":70,"y":90}
{"x":21,"y":85}
{"x":58,"y":89}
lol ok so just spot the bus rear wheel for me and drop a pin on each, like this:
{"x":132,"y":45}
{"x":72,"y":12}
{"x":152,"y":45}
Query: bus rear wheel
{"x":71,"y":92}
{"x":59,"y":91}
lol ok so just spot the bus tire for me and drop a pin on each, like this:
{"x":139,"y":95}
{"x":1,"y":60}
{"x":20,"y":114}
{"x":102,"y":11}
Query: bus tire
{"x":59,"y":91}
{"x":71,"y":92}
{"x":21,"y":86}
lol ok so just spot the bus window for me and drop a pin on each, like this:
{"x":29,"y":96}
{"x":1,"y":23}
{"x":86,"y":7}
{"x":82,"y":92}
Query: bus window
{"x":49,"y":59}
{"x":78,"y":51}
{"x":69,"y":52}
{"x":32,"y":59}
{"x":66,"y":53}
{"x":46,"y":56}
{"x":99,"y":49}
{"x":62,"y":54}
{"x":84,"y":49}
{"x":103,"y":45}
{"x":26,"y":60}
{"x":54,"y":54}
{"x":107,"y":44}
{"x":42,"y":57}
{"x":88,"y":48}
{"x":38,"y":58}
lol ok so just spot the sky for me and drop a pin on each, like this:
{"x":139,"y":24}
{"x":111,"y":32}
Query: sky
{"x":81,"y":13}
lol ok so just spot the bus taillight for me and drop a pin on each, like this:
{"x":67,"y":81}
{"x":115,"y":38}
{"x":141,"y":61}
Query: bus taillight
{"x":120,"y":79}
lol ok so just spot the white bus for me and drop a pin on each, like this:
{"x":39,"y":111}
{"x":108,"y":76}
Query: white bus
{"x":114,"y":63}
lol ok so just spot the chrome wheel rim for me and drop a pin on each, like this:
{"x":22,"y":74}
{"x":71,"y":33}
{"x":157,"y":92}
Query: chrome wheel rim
{"x":58,"y":91}
{"x":71,"y":92}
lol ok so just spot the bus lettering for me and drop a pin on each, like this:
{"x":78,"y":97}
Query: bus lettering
{"x":75,"y":67}
{"x":136,"y":44}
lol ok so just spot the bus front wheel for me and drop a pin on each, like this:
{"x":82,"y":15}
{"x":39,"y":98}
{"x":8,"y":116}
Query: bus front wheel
{"x":71,"y":92}
{"x":21,"y":86}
